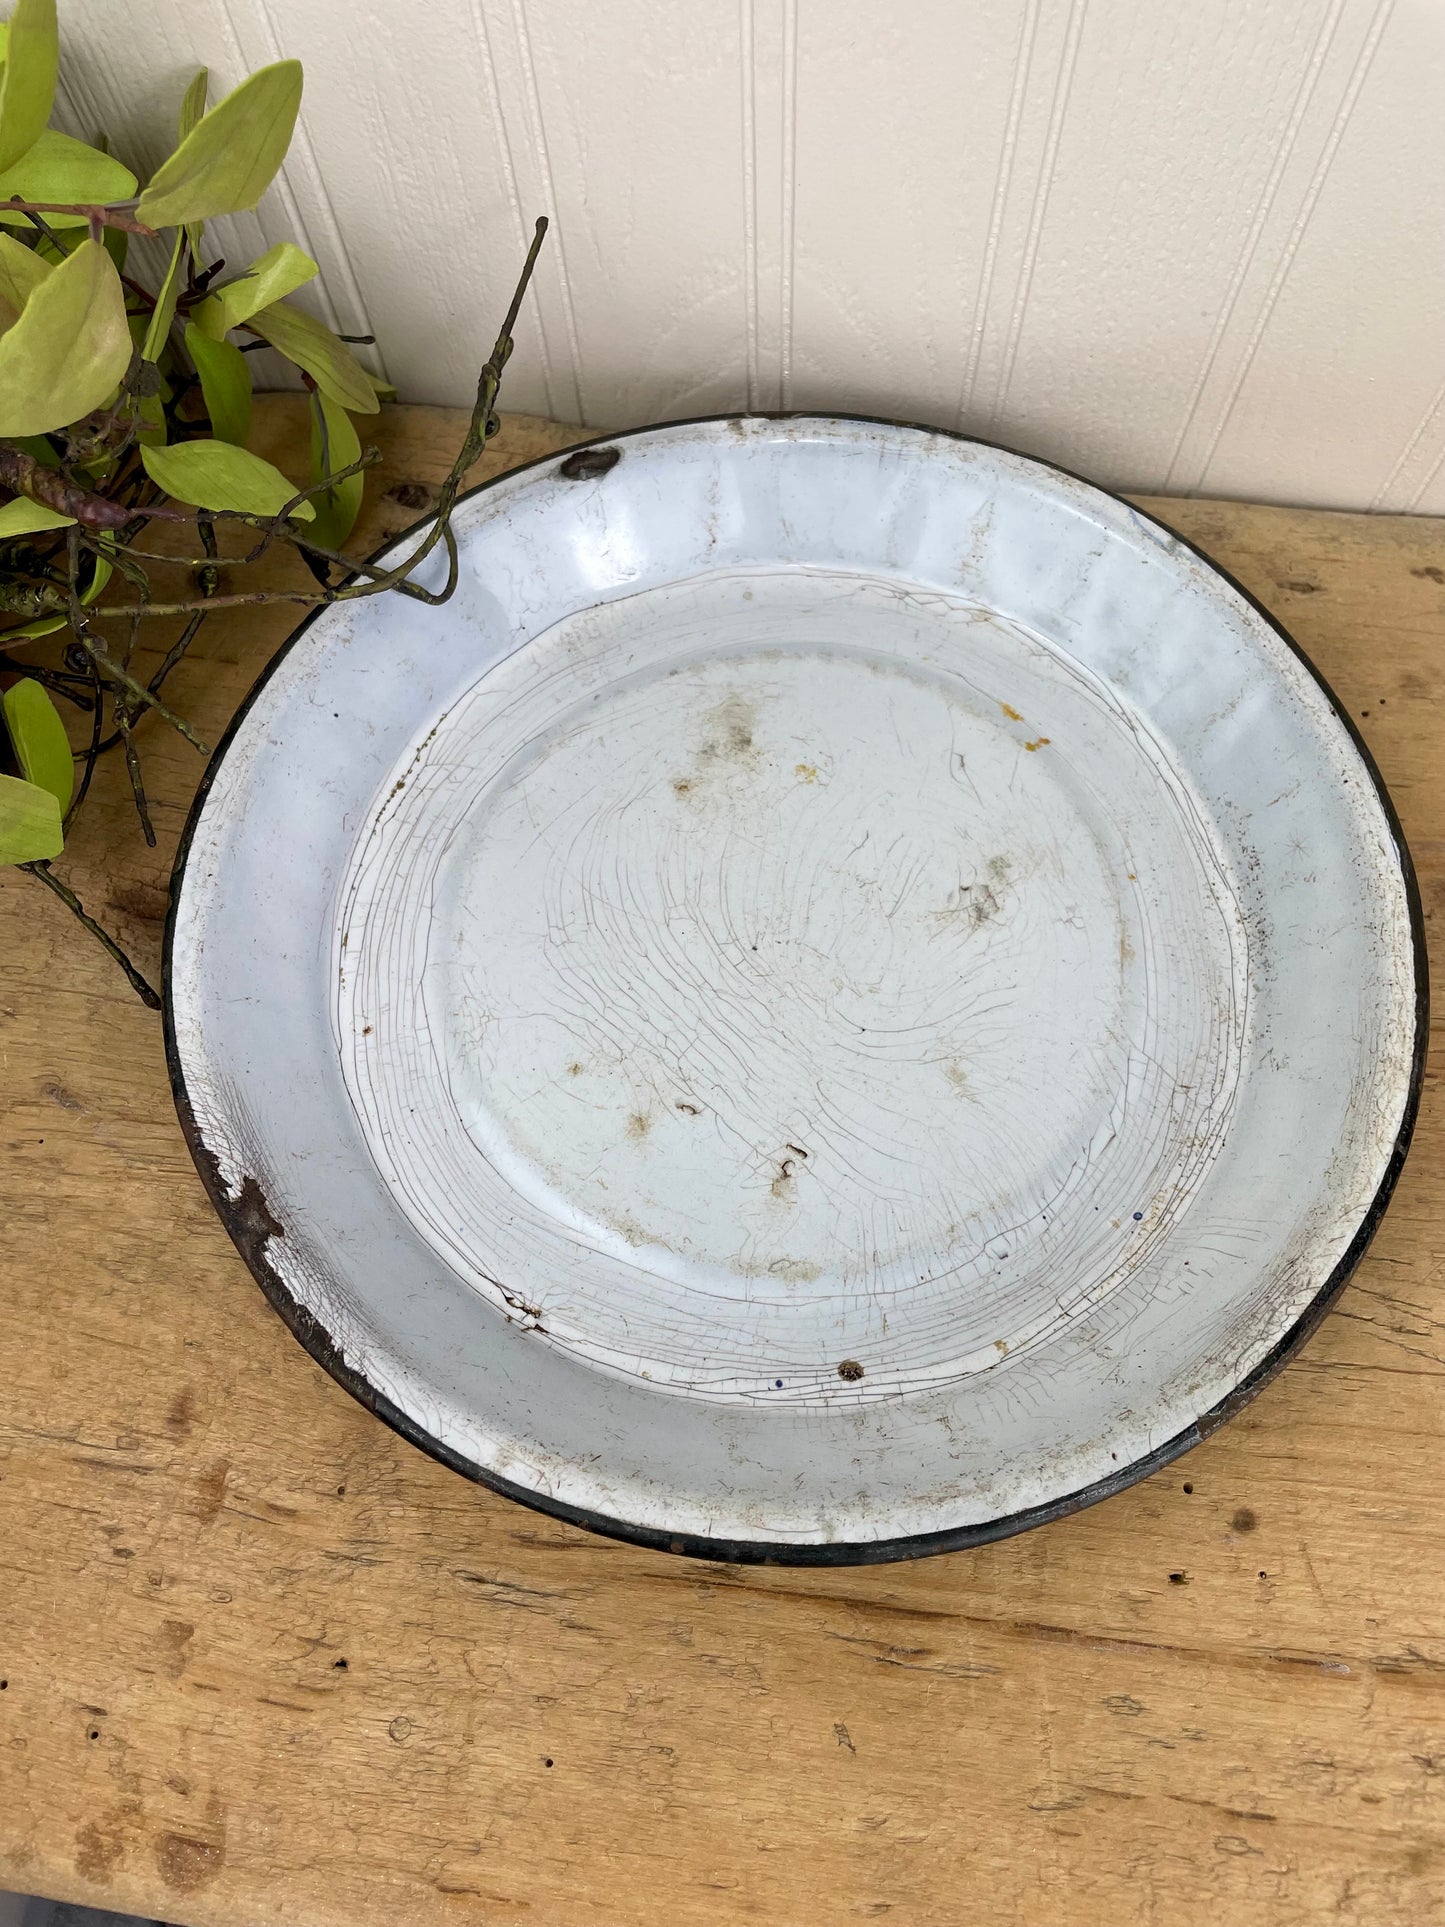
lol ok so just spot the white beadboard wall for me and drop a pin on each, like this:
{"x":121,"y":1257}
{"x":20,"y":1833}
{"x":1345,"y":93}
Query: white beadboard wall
{"x":1188,"y":245}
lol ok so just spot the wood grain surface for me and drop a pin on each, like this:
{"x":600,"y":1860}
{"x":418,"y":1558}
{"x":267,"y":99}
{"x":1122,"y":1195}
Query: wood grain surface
{"x":261,"y":1661}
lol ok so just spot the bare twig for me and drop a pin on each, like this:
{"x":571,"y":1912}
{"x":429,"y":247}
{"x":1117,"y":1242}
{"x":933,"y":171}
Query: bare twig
{"x":97,"y":214}
{"x":148,"y":996}
{"x":123,"y":720}
{"x":108,"y":669}
{"x":91,"y":752}
{"x":481,"y":427}
{"x":251,"y":599}
{"x":177,"y":649}
{"x":60,"y":682}
{"x":136,"y":288}
{"x":210,"y":574}
{"x":132,"y":765}
{"x":41,"y":226}
{"x":172,"y":656}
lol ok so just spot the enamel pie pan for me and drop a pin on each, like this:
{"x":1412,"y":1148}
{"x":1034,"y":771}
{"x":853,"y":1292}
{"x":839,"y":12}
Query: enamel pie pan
{"x":848,"y":994}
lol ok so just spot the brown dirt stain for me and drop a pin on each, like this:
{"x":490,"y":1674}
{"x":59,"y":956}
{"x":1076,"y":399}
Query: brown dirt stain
{"x":729,"y":733}
{"x":793,"y":1271}
{"x":176,"y":1635}
{"x":983,"y":906}
{"x":211,"y":1491}
{"x":182,"y":1413}
{"x":187,"y":1864}
{"x":410,"y":495}
{"x":957,"y":1076}
{"x":148,"y":902}
{"x":99,"y":1850}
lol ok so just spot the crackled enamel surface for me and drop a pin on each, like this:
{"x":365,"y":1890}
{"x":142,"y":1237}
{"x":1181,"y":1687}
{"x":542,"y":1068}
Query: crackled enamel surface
{"x":845,"y":988}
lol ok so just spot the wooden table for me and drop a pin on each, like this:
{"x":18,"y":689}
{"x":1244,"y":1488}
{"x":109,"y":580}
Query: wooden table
{"x":262,"y":1661}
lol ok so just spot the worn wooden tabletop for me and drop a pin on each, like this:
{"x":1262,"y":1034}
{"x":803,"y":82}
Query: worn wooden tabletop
{"x":260,"y":1660}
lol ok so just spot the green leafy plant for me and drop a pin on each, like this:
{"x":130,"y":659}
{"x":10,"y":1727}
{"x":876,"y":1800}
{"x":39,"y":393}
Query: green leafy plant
{"x":124,"y":405}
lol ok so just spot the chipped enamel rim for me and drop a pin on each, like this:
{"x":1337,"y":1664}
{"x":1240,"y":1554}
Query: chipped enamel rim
{"x":250,"y":1223}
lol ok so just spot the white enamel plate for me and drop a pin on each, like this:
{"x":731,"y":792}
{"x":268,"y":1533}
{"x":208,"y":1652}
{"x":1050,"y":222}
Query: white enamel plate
{"x":849,"y":993}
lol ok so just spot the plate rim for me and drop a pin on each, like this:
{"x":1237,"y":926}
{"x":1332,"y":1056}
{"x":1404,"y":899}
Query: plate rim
{"x":250,"y":1224}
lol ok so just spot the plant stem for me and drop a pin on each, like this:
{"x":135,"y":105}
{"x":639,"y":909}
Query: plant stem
{"x":149,"y":997}
{"x":172,"y":656}
{"x":111,"y":671}
{"x":177,"y":649}
{"x":132,"y":765}
{"x":246,"y":601}
{"x":107,"y":668}
{"x":96,"y":213}
{"x":126,"y":486}
{"x":92,"y":752}
{"x":59,"y":682}
{"x":482,"y":426}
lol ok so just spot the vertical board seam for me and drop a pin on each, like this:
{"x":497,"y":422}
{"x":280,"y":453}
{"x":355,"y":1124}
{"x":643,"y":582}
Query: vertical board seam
{"x":1434,"y":470}
{"x":514,"y":192}
{"x":1436,"y":403}
{"x":1297,"y":232}
{"x":1304,"y":94}
{"x":302,"y":148}
{"x":1058,"y":112}
{"x":790,"y":197}
{"x":544,"y":166}
{"x":746,"y":62}
{"x":1002,"y":185}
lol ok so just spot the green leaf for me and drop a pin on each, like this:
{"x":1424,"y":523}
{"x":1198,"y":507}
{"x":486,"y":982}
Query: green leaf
{"x":27,"y":86}
{"x":24,"y":517}
{"x":47,"y":625}
{"x":150,"y":422}
{"x":58,"y":168}
{"x":42,"y":626}
{"x":116,"y":243}
{"x":312,"y":346}
{"x":40,"y":740}
{"x":164,"y":312}
{"x":231,"y":155}
{"x":69,"y":348}
{"x":37,"y":446}
{"x":29,"y":822}
{"x":338,"y":508}
{"x":280,"y":270}
{"x":225,"y":385}
{"x":21,"y":272}
{"x":208,"y":317}
{"x":59,"y":245}
{"x":216,"y":475}
{"x":193,"y":106}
